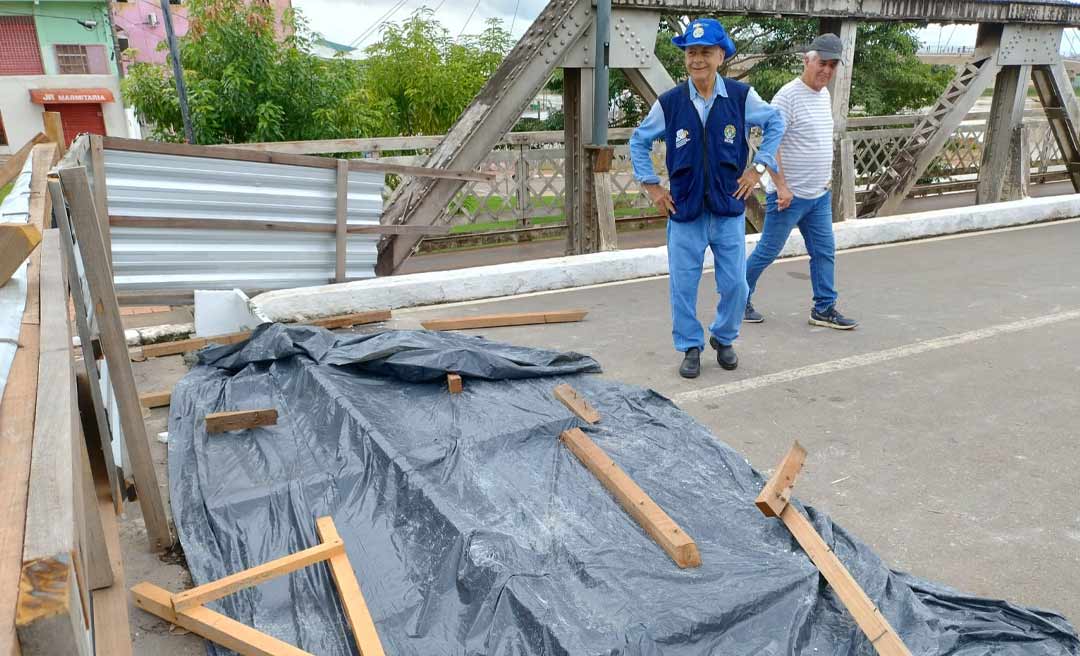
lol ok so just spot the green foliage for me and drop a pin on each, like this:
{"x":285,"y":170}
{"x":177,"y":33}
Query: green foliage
{"x":427,"y":77}
{"x":246,"y":82}
{"x":888,"y":77}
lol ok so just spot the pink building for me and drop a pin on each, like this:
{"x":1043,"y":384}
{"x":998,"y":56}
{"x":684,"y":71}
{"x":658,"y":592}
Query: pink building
{"x":139,"y":25}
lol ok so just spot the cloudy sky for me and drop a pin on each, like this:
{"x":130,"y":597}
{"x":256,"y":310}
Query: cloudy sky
{"x":344,"y":21}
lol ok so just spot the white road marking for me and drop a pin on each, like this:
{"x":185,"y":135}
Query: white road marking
{"x":865,"y":359}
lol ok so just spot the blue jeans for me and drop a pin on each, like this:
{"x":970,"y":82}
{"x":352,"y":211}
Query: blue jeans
{"x":726,"y":236}
{"x":814,"y":218}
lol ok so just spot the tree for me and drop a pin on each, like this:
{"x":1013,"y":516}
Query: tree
{"x":888,"y":77}
{"x":249,"y":79}
{"x":429,"y":78}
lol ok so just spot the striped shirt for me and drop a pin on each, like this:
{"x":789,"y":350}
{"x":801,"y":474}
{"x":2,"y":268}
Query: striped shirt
{"x":806,"y":152}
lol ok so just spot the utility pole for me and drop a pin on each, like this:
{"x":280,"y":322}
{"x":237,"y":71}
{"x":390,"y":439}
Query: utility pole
{"x":178,"y":72}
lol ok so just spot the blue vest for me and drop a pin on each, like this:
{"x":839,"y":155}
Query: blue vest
{"x":704,"y":164}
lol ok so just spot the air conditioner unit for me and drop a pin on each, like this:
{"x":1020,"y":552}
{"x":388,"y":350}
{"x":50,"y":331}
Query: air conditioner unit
{"x":151,"y":19}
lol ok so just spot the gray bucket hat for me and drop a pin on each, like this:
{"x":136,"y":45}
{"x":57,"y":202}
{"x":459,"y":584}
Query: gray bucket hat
{"x":827,"y":46}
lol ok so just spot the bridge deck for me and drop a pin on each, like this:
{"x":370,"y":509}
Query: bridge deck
{"x":943,"y":431}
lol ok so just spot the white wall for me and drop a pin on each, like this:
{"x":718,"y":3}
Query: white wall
{"x":22,"y":118}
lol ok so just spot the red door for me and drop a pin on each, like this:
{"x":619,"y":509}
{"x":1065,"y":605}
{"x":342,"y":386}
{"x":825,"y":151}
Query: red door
{"x":78,"y":118}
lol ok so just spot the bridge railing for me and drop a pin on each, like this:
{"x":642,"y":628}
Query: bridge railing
{"x":528,"y":189}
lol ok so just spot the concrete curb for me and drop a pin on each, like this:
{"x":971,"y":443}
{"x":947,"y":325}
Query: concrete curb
{"x":434,"y":288}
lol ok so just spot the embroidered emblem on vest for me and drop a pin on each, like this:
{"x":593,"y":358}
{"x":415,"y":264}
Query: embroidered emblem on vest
{"x":729,"y":134}
{"x":682,"y":137}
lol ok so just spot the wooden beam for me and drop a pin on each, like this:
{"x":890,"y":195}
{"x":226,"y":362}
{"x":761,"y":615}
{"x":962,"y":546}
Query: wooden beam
{"x":99,"y":571}
{"x":215,"y":152}
{"x":196,"y":343}
{"x":220,"y":422}
{"x":17,"y":241}
{"x":53,"y":124}
{"x":352,"y":599}
{"x":155,"y":399}
{"x":212,"y":625}
{"x":453,"y":383}
{"x":222,"y":587}
{"x":97,"y":173}
{"x":495,"y":320}
{"x":112,"y":630}
{"x":14,"y":164}
{"x":49,"y":615}
{"x":774,"y":498}
{"x":776,"y":494}
{"x":276,"y":226}
{"x":577,"y":403}
{"x":672,"y":539}
{"x":341,"y":244}
{"x":87,"y":231}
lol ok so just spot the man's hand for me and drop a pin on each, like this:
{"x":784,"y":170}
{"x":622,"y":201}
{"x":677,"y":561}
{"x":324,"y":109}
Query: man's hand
{"x":661,"y":198}
{"x":747,"y":182}
{"x":783,"y":197}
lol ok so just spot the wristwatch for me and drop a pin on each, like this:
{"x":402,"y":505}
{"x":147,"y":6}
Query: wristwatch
{"x":760,"y":168}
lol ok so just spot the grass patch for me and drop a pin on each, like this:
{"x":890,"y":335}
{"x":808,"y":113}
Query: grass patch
{"x":5,"y":190}
{"x":495,"y":205}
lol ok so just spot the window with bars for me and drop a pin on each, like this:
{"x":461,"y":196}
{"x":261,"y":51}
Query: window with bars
{"x":20,"y":53}
{"x":81,"y":60}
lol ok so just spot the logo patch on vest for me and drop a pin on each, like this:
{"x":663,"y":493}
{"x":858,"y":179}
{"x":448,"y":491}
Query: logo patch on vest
{"x":682,"y":137}
{"x":729,"y":133}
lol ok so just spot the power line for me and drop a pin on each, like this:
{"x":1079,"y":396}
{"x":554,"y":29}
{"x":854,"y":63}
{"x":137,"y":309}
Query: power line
{"x":467,"y":20}
{"x":514,"y":19}
{"x":378,"y":23}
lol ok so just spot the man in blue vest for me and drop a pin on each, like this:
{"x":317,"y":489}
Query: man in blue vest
{"x":704,"y":124}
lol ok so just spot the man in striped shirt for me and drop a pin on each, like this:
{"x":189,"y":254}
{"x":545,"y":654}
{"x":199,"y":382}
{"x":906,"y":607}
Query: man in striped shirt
{"x":798,"y":193}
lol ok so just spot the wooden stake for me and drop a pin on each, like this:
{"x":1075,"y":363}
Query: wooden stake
{"x":577,"y":403}
{"x":155,"y":399}
{"x":219,"y":422}
{"x":453,"y":383}
{"x":495,"y":320}
{"x":774,"y":501}
{"x":633,"y":499}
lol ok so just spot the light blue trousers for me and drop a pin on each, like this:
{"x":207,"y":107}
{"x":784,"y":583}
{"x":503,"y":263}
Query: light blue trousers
{"x":726,"y":237}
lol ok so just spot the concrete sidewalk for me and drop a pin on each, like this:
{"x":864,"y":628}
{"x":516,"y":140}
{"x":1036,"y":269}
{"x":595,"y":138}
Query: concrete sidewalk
{"x":943,"y":431}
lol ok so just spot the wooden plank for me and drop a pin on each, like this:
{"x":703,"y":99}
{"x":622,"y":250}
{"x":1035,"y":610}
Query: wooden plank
{"x":341,"y":243}
{"x":277,"y":226}
{"x":97,"y":171}
{"x":112,"y":632}
{"x":196,"y":343}
{"x":867,"y":615}
{"x":216,"y":152}
{"x":99,"y":572}
{"x":87,"y":231}
{"x":219,"y":422}
{"x":49,"y":615}
{"x":85,"y":336}
{"x":43,"y":157}
{"x":253,"y":576}
{"x":848,"y":207}
{"x":212,"y":625}
{"x":607,"y":237}
{"x":776,"y":494}
{"x":672,"y":539}
{"x":453,"y":383}
{"x":14,"y":164}
{"x":54,"y":129}
{"x":577,"y":403}
{"x":17,"y":242}
{"x":16,"y":439}
{"x":155,"y":399}
{"x":495,"y":320}
{"x":352,"y":599}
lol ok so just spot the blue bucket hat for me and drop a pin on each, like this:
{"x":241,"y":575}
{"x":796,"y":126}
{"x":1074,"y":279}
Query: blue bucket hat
{"x":706,"y":32}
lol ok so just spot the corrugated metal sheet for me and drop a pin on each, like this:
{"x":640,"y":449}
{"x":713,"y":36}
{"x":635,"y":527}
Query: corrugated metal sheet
{"x":179,"y":187}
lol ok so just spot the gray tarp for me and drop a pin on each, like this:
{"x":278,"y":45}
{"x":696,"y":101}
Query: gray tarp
{"x":472,"y":530}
